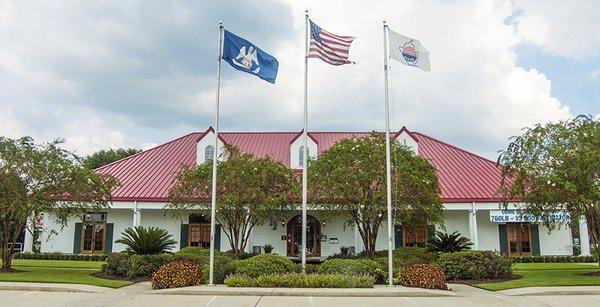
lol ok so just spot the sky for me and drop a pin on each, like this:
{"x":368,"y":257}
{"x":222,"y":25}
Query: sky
{"x":111,"y":74}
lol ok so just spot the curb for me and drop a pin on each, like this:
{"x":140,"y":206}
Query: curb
{"x":304,"y":293}
{"x":44,"y":289}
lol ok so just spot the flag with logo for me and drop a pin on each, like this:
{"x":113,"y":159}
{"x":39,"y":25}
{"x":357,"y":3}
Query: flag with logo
{"x":331,"y":48}
{"x":408,"y":51}
{"x":245,"y":56}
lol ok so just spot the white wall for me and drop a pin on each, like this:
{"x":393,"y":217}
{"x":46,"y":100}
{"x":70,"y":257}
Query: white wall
{"x":208,"y":139}
{"x":456,"y":221}
{"x":121,"y":218}
{"x":557,"y":242}
{"x":157,"y":218}
{"x":487,"y":232}
{"x":62,"y":241}
{"x":295,"y":149}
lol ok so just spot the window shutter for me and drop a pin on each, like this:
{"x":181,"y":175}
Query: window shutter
{"x":398,"y":236}
{"x":430,"y":232}
{"x":217,"y":237}
{"x":503,"y":239}
{"x":535,"y":239}
{"x":109,"y":238}
{"x":77,"y":238}
{"x":183,"y":236}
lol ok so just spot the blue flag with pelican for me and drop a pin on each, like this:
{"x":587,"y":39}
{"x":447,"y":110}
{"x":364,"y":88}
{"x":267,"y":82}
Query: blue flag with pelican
{"x":245,"y":56}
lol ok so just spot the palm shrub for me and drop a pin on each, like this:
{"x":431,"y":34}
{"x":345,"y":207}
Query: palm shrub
{"x":144,"y":241}
{"x":448,"y":243}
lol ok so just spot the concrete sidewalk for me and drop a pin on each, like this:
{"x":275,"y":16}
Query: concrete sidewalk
{"x":560,"y":290}
{"x":51,"y":287}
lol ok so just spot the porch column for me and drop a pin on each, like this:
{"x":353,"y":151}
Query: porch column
{"x":136,"y":215}
{"x":28,"y":240}
{"x":584,"y":239}
{"x":473,"y":226}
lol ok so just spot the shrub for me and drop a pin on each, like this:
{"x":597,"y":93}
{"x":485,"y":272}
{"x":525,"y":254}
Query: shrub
{"x":117,"y":264}
{"x":294,"y":280}
{"x":448,"y":243}
{"x":177,"y":274}
{"x":422,"y":275}
{"x":268,"y":248}
{"x":145,"y":265}
{"x":201,"y":257}
{"x":475,"y":265}
{"x":263,"y":264}
{"x":402,"y":255}
{"x":59,"y":256}
{"x":143,"y":241}
{"x":354,"y":267}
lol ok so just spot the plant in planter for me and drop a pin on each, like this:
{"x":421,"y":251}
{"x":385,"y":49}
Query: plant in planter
{"x":144,"y":241}
{"x":268,"y":248}
{"x":448,"y":243}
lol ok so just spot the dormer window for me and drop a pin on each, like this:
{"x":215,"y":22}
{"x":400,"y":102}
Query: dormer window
{"x":209,"y":151}
{"x":301,"y":155}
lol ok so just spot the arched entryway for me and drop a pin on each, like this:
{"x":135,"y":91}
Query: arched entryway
{"x":294,"y":236}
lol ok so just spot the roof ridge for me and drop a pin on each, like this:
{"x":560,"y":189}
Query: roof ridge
{"x":455,"y":147}
{"x":147,"y":150}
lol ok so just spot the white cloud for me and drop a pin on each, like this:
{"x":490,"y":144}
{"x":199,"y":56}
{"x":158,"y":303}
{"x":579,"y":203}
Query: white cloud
{"x":9,"y":125}
{"x":567,"y":28}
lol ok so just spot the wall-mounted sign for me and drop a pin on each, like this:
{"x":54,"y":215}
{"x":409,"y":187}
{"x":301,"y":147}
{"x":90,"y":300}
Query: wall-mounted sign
{"x":333,"y":240}
{"x":515,"y":215}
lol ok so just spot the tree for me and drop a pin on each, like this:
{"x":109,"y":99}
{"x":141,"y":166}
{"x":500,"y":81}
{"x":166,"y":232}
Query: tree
{"x":351,"y":176}
{"x":147,"y":241}
{"x":44,"y":178}
{"x":555,"y":168}
{"x":250,"y":191}
{"x":106,"y":156}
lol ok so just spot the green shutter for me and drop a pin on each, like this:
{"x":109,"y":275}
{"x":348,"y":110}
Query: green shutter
{"x":217,"y":237}
{"x":398,"y":236}
{"x":77,"y":239}
{"x":109,"y":238}
{"x":503,"y":239}
{"x":430,"y":232}
{"x":183,"y":236}
{"x":535,"y":240}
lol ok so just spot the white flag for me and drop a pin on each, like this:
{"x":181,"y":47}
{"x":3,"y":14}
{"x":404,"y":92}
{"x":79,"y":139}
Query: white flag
{"x":408,"y":51}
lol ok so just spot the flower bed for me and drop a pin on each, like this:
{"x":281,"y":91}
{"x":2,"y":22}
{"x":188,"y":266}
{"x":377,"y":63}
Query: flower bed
{"x":294,"y":280}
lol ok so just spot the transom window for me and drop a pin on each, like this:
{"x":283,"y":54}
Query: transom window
{"x":209,"y":151}
{"x":301,"y":155}
{"x":414,"y":236}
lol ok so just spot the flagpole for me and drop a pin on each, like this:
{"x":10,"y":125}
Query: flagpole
{"x":388,"y":167}
{"x":213,"y":203}
{"x":305,"y":145}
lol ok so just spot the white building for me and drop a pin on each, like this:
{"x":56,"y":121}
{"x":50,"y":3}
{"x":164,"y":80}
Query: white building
{"x":468,"y":182}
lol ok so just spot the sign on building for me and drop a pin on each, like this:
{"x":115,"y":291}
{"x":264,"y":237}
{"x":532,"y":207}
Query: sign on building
{"x":517,"y":216}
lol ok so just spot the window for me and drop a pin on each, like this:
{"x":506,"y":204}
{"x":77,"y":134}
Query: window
{"x":209,"y":151}
{"x":93,"y":233}
{"x":414,"y":236}
{"x":301,"y":155}
{"x":519,"y":239}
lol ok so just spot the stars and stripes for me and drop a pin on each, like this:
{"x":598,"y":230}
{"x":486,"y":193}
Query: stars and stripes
{"x":331,"y":48}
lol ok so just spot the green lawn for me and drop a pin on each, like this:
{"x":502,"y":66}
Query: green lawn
{"x":57,"y":271}
{"x":548,"y":274}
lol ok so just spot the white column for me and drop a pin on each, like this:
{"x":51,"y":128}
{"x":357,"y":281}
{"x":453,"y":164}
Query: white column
{"x":135,"y":219}
{"x":28,"y":242}
{"x":473,"y":227}
{"x":584,"y":238}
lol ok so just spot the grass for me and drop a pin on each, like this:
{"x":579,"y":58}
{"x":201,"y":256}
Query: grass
{"x":58,"y":271}
{"x":548,"y":275}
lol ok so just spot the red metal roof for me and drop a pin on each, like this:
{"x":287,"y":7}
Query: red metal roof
{"x":148,"y":176}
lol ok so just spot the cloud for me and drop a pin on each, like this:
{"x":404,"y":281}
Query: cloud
{"x":565,"y":28}
{"x":106,"y":74}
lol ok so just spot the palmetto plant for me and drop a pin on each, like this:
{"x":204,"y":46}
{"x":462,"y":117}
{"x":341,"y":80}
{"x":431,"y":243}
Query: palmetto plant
{"x":143,"y":241}
{"x":448,"y":243}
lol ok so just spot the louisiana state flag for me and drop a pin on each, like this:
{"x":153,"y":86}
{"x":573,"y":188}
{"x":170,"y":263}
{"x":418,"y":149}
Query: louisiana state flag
{"x":245,"y":56}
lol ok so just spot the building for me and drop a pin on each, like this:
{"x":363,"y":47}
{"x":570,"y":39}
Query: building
{"x":468,"y":182}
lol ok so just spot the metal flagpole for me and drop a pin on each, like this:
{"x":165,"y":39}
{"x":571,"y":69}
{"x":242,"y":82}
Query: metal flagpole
{"x":305,"y":146}
{"x":213,"y":203}
{"x":388,"y":167}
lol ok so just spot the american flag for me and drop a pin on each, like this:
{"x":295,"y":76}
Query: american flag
{"x":331,"y":48}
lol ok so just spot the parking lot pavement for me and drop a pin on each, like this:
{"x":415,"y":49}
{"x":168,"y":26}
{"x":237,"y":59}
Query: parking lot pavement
{"x":123,"y":298}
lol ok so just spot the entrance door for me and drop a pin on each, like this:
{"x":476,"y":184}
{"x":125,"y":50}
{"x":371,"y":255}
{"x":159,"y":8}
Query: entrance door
{"x":519,"y":239}
{"x":94,"y":233}
{"x":313,"y":237}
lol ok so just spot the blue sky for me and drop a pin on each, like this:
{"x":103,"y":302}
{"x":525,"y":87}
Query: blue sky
{"x":139,"y":73}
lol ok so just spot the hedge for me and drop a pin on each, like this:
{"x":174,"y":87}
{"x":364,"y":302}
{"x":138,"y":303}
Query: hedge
{"x":474,"y":265}
{"x":263,"y":264}
{"x":354,"y":267}
{"x":60,"y":256}
{"x":542,"y":259}
{"x":294,"y":280}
